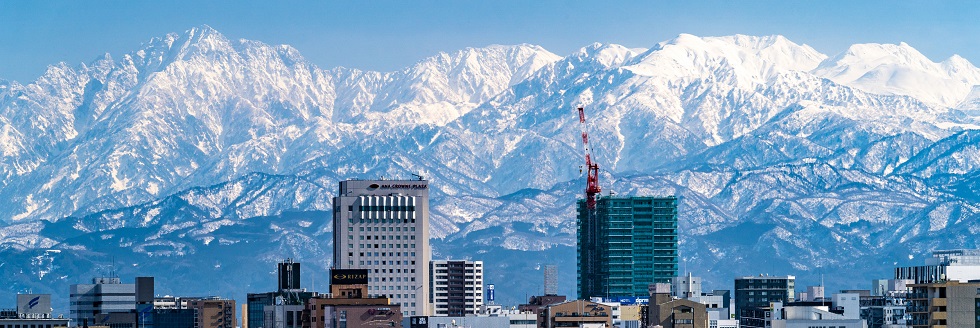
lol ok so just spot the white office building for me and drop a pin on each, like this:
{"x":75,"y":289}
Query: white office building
{"x":457,"y":287}
{"x":685,"y":287}
{"x":383,"y":226}
{"x":960,"y":265}
{"x":811,"y":316}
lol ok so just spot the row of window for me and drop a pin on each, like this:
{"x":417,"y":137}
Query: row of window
{"x":351,"y":229}
{"x":29,"y":326}
{"x":383,"y":220}
{"x":412,"y":237}
{"x":384,"y":262}
{"x":390,"y":288}
{"x":394,"y":279}
{"x":444,"y":288}
{"x":351,"y":254}
{"x":383,"y":245}
{"x":389,"y":208}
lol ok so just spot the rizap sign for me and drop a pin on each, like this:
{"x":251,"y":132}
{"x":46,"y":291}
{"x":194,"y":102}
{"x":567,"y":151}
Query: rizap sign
{"x":34,"y":305}
{"x":349,"y":277}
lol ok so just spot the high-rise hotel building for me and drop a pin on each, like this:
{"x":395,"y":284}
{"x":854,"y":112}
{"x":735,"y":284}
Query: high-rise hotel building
{"x":383,"y":226}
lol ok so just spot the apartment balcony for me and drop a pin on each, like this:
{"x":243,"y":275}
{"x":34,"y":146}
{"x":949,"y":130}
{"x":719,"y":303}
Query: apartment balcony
{"x":938,"y":302}
{"x":939,"y":316}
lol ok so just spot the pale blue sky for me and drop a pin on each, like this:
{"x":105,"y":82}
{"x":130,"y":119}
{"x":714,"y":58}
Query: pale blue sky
{"x":388,"y":35}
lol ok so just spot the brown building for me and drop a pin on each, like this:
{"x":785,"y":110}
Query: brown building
{"x":537,"y":304}
{"x":665,"y":311}
{"x":575,"y":314}
{"x":348,"y":305}
{"x":352,"y":312}
{"x":946,"y":304}
{"x":214,"y":313}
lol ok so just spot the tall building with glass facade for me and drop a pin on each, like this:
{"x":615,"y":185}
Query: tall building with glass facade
{"x":383,"y":226}
{"x":635,"y":244}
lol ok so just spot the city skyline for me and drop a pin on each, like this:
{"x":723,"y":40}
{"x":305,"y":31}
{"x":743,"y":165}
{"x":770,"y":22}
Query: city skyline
{"x":218,"y":147}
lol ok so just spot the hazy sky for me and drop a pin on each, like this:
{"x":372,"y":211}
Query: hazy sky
{"x":388,"y":35}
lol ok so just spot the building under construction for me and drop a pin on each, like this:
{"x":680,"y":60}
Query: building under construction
{"x":634,"y":244}
{"x":624,"y":243}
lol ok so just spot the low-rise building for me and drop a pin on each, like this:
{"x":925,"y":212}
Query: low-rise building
{"x":809,"y":316}
{"x":668,"y":312}
{"x":577,"y":313}
{"x":946,"y":304}
{"x":537,"y":304}
{"x":33,"y":310}
{"x":349,"y":304}
{"x":214,"y":313}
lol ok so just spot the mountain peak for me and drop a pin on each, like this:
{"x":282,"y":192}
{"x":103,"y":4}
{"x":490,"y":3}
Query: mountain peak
{"x":900,"y":69}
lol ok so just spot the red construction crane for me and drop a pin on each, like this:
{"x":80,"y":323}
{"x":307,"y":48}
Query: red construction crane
{"x":591,"y":271}
{"x":592,"y":187}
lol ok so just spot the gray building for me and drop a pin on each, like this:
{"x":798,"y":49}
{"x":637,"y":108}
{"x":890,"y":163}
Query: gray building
{"x":282,"y":308}
{"x":103,"y":295}
{"x":456,"y":322}
{"x":383,"y":226}
{"x":457,"y":287}
{"x":754,"y":296}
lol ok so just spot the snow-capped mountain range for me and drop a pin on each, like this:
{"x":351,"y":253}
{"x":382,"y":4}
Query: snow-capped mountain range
{"x":196,"y":151}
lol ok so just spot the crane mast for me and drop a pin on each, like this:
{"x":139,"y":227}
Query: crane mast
{"x":592,"y":272}
{"x":592,"y":187}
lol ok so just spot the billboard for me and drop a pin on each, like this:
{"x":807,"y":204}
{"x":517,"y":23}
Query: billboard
{"x":349,"y":277}
{"x":627,"y":300}
{"x":490,"y":293}
{"x":34,"y":306}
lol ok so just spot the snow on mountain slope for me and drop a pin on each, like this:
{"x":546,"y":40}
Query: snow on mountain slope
{"x":195,"y":142}
{"x":902,"y":70}
{"x":438,"y":89}
{"x":198,"y":108}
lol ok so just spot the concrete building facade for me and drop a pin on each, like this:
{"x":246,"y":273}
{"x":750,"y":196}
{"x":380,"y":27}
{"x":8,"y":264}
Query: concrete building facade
{"x":214,"y":313}
{"x":944,"y":304}
{"x":456,"y":287}
{"x":668,"y":312}
{"x":635,"y":245}
{"x":577,"y":313}
{"x":103,"y":295}
{"x":383,"y":226}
